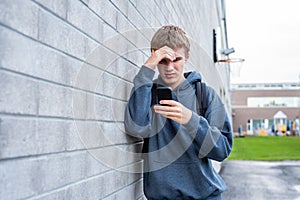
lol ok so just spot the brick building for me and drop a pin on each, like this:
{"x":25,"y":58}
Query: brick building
{"x":66,"y":70}
{"x":254,"y":106}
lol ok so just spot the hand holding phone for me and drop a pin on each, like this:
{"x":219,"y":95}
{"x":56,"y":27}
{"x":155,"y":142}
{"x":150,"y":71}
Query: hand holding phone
{"x":172,"y":110}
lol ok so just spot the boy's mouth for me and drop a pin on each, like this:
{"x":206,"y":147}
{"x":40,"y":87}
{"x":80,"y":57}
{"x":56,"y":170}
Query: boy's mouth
{"x":169,"y":75}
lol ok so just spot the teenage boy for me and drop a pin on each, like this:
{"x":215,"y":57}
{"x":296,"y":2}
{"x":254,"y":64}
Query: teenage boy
{"x":178,"y":143}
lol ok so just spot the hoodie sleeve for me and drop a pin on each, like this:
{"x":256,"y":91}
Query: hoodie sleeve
{"x":212,"y":133}
{"x":138,"y":112}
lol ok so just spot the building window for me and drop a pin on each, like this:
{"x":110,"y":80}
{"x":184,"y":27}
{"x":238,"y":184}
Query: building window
{"x":266,"y":102}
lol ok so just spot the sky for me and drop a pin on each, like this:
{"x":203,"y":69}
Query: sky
{"x":266,"y":33}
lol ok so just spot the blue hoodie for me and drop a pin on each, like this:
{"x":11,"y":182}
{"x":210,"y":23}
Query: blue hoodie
{"x":177,"y":158}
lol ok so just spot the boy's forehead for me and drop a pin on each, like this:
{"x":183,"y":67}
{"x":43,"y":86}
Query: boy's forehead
{"x":179,"y":52}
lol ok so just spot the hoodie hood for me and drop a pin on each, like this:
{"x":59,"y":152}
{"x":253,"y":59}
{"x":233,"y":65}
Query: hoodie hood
{"x":190,"y":79}
{"x":192,"y":76}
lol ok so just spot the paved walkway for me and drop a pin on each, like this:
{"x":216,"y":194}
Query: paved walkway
{"x":261,"y":180}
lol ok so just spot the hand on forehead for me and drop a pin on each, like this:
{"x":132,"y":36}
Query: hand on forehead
{"x":173,"y":53}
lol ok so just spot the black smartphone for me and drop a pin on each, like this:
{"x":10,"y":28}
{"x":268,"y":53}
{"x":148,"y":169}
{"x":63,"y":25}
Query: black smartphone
{"x":164,"y":93}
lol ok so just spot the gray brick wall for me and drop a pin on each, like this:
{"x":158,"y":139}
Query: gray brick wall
{"x":66,"y":70}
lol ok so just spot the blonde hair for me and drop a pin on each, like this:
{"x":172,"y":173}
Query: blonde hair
{"x":171,"y":36}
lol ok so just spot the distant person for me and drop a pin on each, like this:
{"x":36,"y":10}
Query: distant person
{"x":297,"y":126}
{"x":293,"y":127}
{"x":273,"y":129}
{"x":179,"y":143}
{"x":288,"y":128}
{"x":240,"y":130}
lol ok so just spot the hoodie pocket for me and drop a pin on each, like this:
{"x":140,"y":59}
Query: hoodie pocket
{"x":178,"y":181}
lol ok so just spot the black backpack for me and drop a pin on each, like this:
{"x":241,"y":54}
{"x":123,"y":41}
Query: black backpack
{"x":200,"y":91}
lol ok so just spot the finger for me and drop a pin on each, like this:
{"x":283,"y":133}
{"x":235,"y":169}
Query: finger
{"x":168,"y":49}
{"x":165,"y":55}
{"x":169,"y":102}
{"x":165,"y":52}
{"x":168,"y":108}
{"x":169,"y":113}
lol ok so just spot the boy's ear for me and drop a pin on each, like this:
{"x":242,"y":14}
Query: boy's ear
{"x":187,"y":57}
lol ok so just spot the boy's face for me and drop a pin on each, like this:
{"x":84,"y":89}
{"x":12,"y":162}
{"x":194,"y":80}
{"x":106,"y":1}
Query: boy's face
{"x":170,"y":71}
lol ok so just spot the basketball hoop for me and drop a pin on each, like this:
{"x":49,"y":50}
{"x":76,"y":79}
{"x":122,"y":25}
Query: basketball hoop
{"x":235,"y":65}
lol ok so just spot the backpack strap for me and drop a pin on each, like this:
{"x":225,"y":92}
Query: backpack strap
{"x":154,"y":93}
{"x":201,"y":97}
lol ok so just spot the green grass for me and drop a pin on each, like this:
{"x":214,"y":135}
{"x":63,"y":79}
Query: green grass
{"x":269,"y":148}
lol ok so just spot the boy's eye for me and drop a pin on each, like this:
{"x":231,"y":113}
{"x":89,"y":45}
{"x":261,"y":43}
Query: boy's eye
{"x":163,"y":61}
{"x":177,"y":59}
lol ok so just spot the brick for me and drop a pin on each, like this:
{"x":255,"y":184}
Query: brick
{"x":55,"y":195}
{"x":140,"y":38}
{"x":17,"y":137}
{"x":113,"y":86}
{"x":133,"y":191}
{"x":108,"y":32}
{"x":105,"y":57}
{"x":51,"y":135}
{"x":123,"y":24}
{"x":134,"y":2}
{"x":125,"y":69}
{"x":35,"y":176}
{"x":106,"y":109}
{"x":42,"y":62}
{"x":58,"y":34}
{"x":30,"y":177}
{"x":73,"y":138}
{"x":114,"y":133}
{"x":91,"y":106}
{"x":135,"y":58}
{"x":86,"y":2}
{"x":119,"y":44}
{"x":100,"y":186}
{"x":29,"y":136}
{"x":126,"y":154}
{"x":97,"y":107}
{"x":105,"y":10}
{"x":88,"y":76}
{"x":54,"y":100}
{"x":17,"y":177}
{"x":146,"y":9}
{"x":84,"y":19}
{"x":173,"y":16}
{"x":100,"y":108}
{"x":89,"y":135}
{"x":135,"y":17}
{"x":83,"y":105}
{"x":20,"y":15}
{"x":56,"y":6}
{"x":18,"y":94}
{"x":79,"y":104}
{"x":93,"y":166}
{"x":122,"y":6}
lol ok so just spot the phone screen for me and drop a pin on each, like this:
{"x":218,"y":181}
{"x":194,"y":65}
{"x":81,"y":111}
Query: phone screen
{"x":164,"y":93}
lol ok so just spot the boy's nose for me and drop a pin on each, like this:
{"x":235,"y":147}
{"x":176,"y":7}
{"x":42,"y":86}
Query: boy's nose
{"x":170,"y":65}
